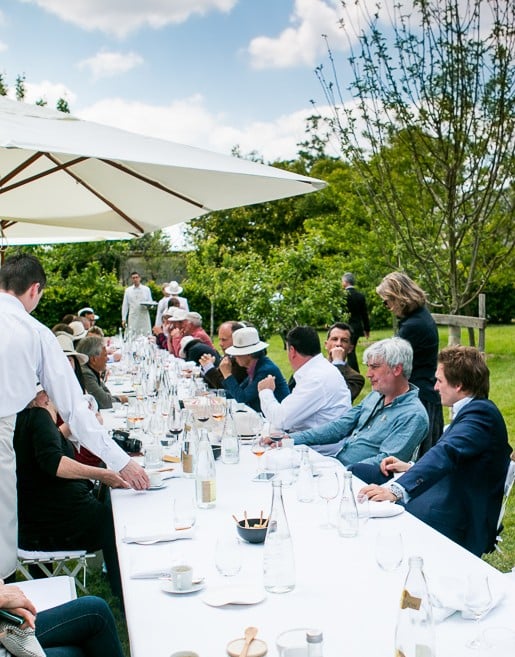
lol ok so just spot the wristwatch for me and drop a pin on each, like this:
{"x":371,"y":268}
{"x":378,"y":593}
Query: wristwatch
{"x":397,"y":491}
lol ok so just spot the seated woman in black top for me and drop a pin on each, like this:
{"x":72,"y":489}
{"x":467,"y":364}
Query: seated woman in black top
{"x":56,"y":510}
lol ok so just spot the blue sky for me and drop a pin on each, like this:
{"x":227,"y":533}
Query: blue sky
{"x":210,"y":73}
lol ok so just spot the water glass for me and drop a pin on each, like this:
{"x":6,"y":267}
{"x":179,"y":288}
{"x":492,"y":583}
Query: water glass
{"x":228,"y":556}
{"x":184,"y":512}
{"x":389,"y":550}
{"x":477,"y":600}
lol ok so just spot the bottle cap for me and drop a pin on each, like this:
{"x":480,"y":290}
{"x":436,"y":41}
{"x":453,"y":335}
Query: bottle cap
{"x":314,"y":636}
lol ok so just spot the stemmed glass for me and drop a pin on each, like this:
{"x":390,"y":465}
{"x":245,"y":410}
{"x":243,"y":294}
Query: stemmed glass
{"x":258,"y":448}
{"x":477,"y":600}
{"x":328,"y":486}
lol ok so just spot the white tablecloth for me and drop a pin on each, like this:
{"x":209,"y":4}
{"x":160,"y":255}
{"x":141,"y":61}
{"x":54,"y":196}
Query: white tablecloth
{"x":339,"y":589}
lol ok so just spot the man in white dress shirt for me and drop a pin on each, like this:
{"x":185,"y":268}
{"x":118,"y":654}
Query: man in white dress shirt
{"x":30,"y":353}
{"x":320,"y":394}
{"x":134,"y":315}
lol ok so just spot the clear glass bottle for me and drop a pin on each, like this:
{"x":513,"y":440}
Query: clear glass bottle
{"x":415,"y":633}
{"x":305,"y":481}
{"x":315,"y":641}
{"x":205,"y":474}
{"x":189,"y":447}
{"x":348,"y":523}
{"x":278,"y":559}
{"x":230,"y":441}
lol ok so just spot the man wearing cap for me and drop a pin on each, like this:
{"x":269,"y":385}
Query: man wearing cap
{"x":88,"y":313}
{"x":29,"y":352}
{"x":320,"y":394}
{"x":250,"y":353}
{"x":191,"y":324}
{"x":135,"y":314}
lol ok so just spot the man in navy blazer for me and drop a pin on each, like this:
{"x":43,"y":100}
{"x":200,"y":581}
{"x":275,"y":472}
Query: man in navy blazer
{"x":457,"y":486}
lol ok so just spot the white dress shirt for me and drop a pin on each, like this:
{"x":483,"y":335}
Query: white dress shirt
{"x":320,"y":395}
{"x":29,"y":352}
{"x":136,"y":315}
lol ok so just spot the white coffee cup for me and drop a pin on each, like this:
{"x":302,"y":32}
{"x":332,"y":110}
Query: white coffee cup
{"x":182,"y":577}
{"x":155,"y":478}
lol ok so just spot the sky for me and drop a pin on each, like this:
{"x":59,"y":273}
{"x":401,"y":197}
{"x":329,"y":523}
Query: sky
{"x":210,"y":73}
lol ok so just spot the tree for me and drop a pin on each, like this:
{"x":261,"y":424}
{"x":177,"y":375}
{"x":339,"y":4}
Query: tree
{"x":432,"y":136}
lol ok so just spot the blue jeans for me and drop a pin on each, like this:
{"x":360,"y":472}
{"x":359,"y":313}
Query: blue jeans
{"x":81,"y":628}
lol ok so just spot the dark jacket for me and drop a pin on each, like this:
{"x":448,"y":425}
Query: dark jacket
{"x":196,"y":348}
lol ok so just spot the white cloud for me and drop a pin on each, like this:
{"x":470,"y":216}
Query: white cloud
{"x":188,"y":121}
{"x":49,"y":91}
{"x":121,"y":17}
{"x":302,"y":43}
{"x":108,"y":64}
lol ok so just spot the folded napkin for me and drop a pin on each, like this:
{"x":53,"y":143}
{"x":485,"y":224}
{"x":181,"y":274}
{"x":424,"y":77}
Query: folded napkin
{"x":384,"y":509}
{"x":157,"y":573}
{"x":447,"y":596}
{"x":162,"y":537}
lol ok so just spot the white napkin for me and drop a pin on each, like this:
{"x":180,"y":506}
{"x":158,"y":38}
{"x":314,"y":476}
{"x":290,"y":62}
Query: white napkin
{"x":384,"y":509}
{"x":159,"y":537}
{"x":447,"y":596}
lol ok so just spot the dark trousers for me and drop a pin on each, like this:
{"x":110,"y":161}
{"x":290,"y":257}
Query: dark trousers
{"x":81,"y":628}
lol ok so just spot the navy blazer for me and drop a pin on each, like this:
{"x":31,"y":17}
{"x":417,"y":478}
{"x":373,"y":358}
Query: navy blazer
{"x":457,"y":486}
{"x":247,"y":391}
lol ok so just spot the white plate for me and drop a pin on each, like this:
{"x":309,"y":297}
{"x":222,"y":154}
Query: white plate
{"x":218,"y":597}
{"x":168,"y":587}
{"x":384,"y":509}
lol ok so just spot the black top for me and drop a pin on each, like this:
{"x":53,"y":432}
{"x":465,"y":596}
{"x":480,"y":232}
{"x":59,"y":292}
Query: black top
{"x":48,"y":506}
{"x":419,"y":329}
{"x":358,"y":312}
{"x":196,"y":348}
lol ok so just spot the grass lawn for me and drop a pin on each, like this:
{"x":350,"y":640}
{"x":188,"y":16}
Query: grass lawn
{"x":500,"y":347}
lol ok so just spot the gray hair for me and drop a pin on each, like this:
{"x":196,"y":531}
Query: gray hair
{"x":392,"y":351}
{"x":349,"y":278}
{"x":91,"y":345}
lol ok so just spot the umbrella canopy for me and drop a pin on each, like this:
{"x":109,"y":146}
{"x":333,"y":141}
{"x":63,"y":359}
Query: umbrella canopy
{"x":57,"y":170}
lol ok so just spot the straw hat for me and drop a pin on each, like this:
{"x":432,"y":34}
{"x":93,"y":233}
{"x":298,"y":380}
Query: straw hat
{"x":173,"y":288}
{"x":245,"y":341}
{"x":78,"y":329}
{"x":66,"y":344}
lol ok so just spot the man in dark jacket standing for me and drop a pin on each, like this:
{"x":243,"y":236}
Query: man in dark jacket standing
{"x":358,"y":315}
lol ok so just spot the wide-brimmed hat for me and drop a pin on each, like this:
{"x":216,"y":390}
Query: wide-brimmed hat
{"x":87,"y":311}
{"x":66,"y":344}
{"x":175,"y":314}
{"x":79,"y":331}
{"x":245,"y":341}
{"x":173,"y":288}
{"x":186,"y":340}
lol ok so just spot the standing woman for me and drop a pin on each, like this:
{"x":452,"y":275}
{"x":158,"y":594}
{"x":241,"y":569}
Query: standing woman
{"x":407,"y":301}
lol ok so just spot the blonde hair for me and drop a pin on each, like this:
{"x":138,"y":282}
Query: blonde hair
{"x":404,"y":294}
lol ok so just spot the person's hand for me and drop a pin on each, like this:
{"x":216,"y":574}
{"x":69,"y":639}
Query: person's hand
{"x":124,"y":323}
{"x":135,"y":476}
{"x":157,"y":330}
{"x":123,"y":399}
{"x":392,"y":464}
{"x":378,"y":493}
{"x":225,"y":367}
{"x":112,"y":479}
{"x":13,"y":599}
{"x":206,"y":359}
{"x":337,"y":353}
{"x":268,"y":383}
{"x":176,"y":332}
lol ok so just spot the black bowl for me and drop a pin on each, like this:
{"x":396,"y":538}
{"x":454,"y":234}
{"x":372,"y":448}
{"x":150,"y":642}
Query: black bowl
{"x":251,"y":534}
{"x":217,"y":450}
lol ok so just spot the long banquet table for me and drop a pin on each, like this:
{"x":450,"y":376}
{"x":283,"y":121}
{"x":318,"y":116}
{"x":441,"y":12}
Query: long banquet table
{"x":339,"y":589}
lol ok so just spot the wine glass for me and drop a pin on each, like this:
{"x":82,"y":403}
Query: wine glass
{"x":328,"y":486}
{"x":389,"y":550}
{"x":258,"y":448}
{"x":477,"y":600}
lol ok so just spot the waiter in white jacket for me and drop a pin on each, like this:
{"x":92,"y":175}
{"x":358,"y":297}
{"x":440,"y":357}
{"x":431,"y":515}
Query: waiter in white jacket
{"x":30,"y":353}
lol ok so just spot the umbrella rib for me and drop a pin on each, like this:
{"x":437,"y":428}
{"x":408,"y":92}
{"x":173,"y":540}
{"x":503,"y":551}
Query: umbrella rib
{"x":93,"y":191}
{"x":155,"y":184}
{"x":36,"y":176}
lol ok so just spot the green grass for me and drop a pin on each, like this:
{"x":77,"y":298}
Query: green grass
{"x":500,"y":348}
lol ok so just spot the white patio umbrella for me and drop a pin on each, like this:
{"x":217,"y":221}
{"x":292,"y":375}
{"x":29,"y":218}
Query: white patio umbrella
{"x":59,"y":171}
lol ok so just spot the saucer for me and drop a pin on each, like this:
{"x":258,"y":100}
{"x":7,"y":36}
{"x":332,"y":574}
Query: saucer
{"x":168,"y":587}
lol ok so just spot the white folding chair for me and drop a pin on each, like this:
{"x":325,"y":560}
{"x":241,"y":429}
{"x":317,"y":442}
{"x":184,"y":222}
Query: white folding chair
{"x":65,"y":562}
{"x":508,"y":485}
